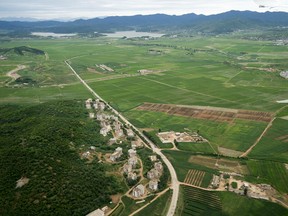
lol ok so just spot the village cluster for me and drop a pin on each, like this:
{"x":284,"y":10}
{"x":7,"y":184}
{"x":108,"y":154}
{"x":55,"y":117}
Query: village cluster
{"x":110,"y":124}
{"x":258,"y":191}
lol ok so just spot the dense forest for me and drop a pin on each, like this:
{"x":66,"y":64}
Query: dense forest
{"x":43,"y":143}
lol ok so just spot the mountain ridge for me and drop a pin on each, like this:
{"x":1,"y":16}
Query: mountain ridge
{"x":219,"y":23}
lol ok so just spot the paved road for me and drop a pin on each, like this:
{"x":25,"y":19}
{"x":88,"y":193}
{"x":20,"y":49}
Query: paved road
{"x":174,"y":181}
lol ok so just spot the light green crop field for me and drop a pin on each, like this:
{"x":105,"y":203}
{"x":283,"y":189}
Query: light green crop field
{"x":271,"y":172}
{"x":274,"y":144}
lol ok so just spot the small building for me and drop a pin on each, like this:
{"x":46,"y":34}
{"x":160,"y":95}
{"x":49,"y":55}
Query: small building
{"x":93,"y":148}
{"x":153,"y":184}
{"x":104,"y":131}
{"x":97,"y":212}
{"x":132,"y":153}
{"x":132,"y":176}
{"x":215,"y":181}
{"x":117,"y":154}
{"x":153,"y":174}
{"x":112,"y":141}
{"x":119,"y":133}
{"x":127,"y":168}
{"x":153,"y":158}
{"x":132,"y":161}
{"x":88,"y":103}
{"x":91,"y":115}
{"x":138,"y":191}
{"x":117,"y":125}
{"x":130,"y":133}
{"x":100,"y":117}
{"x":101,"y":106}
{"x":86,"y":154}
{"x":158,"y":166}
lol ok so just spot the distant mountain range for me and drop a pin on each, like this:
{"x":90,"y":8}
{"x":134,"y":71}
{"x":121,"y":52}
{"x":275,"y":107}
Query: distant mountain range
{"x":220,"y":23}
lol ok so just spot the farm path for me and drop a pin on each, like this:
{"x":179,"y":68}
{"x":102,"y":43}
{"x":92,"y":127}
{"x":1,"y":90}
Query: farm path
{"x":201,"y":188}
{"x":13,"y":73}
{"x":187,"y":90}
{"x":46,"y":56}
{"x":111,"y":77}
{"x":174,"y":180}
{"x":259,"y":138}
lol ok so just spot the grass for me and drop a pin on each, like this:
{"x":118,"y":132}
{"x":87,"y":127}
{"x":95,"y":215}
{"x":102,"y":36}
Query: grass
{"x":273,"y":145}
{"x":118,"y":210}
{"x":131,"y":206}
{"x":196,"y":147}
{"x":273,"y":173}
{"x":158,"y":207}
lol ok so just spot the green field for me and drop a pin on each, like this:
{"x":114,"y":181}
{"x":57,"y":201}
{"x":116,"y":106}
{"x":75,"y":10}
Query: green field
{"x":158,"y":207}
{"x":274,"y":144}
{"x":273,"y":173}
{"x":196,"y":147}
{"x":199,"y":202}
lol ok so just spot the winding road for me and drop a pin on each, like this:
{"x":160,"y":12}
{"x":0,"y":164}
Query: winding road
{"x":174,"y":181}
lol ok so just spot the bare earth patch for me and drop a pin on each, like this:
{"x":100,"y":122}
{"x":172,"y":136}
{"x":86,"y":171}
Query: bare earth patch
{"x":115,"y":198}
{"x":21,"y":182}
{"x":229,"y":152}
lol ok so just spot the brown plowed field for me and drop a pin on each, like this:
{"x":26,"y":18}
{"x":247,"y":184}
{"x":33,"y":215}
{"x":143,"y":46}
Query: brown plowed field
{"x":209,"y":113}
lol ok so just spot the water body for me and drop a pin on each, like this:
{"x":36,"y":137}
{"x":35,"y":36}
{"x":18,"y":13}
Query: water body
{"x":52,"y":34}
{"x":131,"y":34}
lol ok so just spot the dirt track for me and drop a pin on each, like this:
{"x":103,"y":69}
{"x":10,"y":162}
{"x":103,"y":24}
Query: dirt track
{"x":13,"y":73}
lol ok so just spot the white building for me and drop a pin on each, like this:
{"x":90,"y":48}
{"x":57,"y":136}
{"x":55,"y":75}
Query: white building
{"x":158,"y":166}
{"x":127,"y":168}
{"x":97,"y":212}
{"x":88,"y":103}
{"x":130,"y":133}
{"x":132,"y":176}
{"x":132,"y":161}
{"x":153,"y":174}
{"x":91,"y":115}
{"x":132,"y":152}
{"x":117,"y":154}
{"x":153,"y":185}
{"x":138,"y":191}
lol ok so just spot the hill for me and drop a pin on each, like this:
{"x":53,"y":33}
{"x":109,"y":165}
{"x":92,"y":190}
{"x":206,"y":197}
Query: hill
{"x":220,"y":23}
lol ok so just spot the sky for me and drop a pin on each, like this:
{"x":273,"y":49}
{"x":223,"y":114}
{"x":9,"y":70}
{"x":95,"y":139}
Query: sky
{"x":71,"y":9}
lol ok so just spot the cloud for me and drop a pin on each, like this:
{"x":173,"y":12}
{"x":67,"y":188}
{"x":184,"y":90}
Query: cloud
{"x":49,"y":9}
